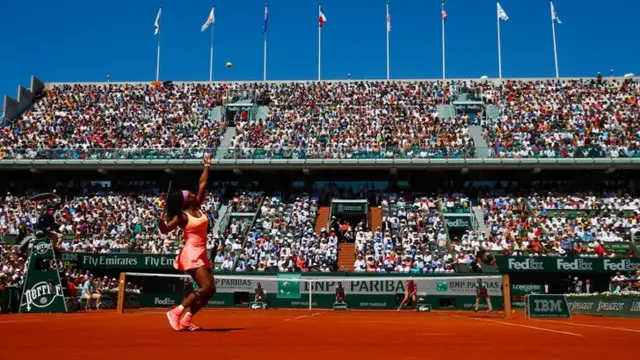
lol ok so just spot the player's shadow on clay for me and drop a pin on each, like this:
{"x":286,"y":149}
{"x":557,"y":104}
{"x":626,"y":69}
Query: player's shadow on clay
{"x":224,"y":330}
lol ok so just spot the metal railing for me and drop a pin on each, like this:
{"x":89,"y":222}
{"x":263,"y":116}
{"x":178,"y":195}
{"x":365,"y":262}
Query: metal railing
{"x":225,"y":219}
{"x":238,"y":154}
{"x":246,"y":232}
{"x":295,"y":153}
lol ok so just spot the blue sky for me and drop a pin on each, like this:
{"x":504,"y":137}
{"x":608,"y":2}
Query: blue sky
{"x":76,"y":40}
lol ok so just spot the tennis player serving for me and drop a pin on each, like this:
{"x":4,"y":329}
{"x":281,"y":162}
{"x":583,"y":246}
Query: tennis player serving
{"x":410,"y":293}
{"x":182,"y":210}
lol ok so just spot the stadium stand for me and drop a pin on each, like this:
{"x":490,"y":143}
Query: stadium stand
{"x":116,"y":122}
{"x":334,"y":120}
{"x":412,"y":239}
{"x":283,"y":238}
{"x":352,"y":120}
{"x":574,"y":118}
{"x":260,"y":226}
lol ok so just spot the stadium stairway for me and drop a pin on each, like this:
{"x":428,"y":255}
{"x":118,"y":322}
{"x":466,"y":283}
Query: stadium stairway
{"x":226,"y":140}
{"x":479,"y":214}
{"x":346,"y":256}
{"x":215,"y":114}
{"x":263,"y":112}
{"x":323,"y":218}
{"x":375,"y":218}
{"x":493,"y":112}
{"x":482,"y":148}
{"x":222,"y":212}
{"x":446,"y":112}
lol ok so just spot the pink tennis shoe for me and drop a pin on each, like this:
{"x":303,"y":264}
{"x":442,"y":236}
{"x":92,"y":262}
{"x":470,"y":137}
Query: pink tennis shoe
{"x":186,"y":324}
{"x":173,"y":316}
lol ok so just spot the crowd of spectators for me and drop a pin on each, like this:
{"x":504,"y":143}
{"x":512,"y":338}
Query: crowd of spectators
{"x":228,"y":244}
{"x":563,"y":119}
{"x":455,"y":203}
{"x":625,"y":282}
{"x":352,"y":120}
{"x":100,"y":220}
{"x":246,"y":201}
{"x":512,"y":229}
{"x":304,"y":120}
{"x":412,"y":239}
{"x":91,"y":121}
{"x":588,"y":218}
{"x":551,"y":223}
{"x":334,"y":120}
{"x":283,"y":239}
{"x":12,"y":265}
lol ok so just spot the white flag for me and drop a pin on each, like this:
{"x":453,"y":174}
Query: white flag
{"x":211,"y":20}
{"x":157,"y":23}
{"x":502,"y":15}
{"x":554,"y":15}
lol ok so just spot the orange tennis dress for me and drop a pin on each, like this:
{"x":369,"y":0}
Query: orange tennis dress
{"x":194,"y":253}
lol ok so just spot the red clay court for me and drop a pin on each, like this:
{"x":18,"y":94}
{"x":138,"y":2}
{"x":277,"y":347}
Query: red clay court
{"x":283,"y":334}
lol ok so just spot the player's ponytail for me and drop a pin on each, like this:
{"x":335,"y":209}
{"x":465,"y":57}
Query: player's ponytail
{"x":174,"y":204}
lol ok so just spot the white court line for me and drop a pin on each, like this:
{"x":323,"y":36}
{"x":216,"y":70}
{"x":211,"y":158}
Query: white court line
{"x":523,"y":326}
{"x":143,"y":313}
{"x":594,"y":326}
{"x":302,"y":317}
{"x":18,"y":321}
{"x":533,"y":327}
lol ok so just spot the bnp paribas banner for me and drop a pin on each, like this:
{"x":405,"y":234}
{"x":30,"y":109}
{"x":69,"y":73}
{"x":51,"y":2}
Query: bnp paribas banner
{"x":294,"y":286}
{"x":367,"y":292}
{"x":513,"y":264}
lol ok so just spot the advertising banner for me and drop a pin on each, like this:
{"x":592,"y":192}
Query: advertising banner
{"x":550,"y":264}
{"x":602,"y":305}
{"x":120,"y":261}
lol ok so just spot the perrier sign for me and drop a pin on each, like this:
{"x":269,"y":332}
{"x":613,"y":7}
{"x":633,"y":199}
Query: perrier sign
{"x":42,"y":291}
{"x":42,"y":296}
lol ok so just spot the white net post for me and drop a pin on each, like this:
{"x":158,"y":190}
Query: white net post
{"x":122,"y":284}
{"x":310,"y":286}
{"x":506,"y":295}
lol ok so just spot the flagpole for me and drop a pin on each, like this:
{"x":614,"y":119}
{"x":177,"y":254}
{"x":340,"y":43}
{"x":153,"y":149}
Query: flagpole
{"x":499,"y":41}
{"x":264,"y":55}
{"x":319,"y":40}
{"x":444,"y":74}
{"x":158,"y":52}
{"x":158,"y":60}
{"x":553,"y":30}
{"x":213,"y":26}
{"x":387,"y":28}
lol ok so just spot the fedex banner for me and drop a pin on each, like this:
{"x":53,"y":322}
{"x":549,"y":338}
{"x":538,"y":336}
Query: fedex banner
{"x":512,"y":264}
